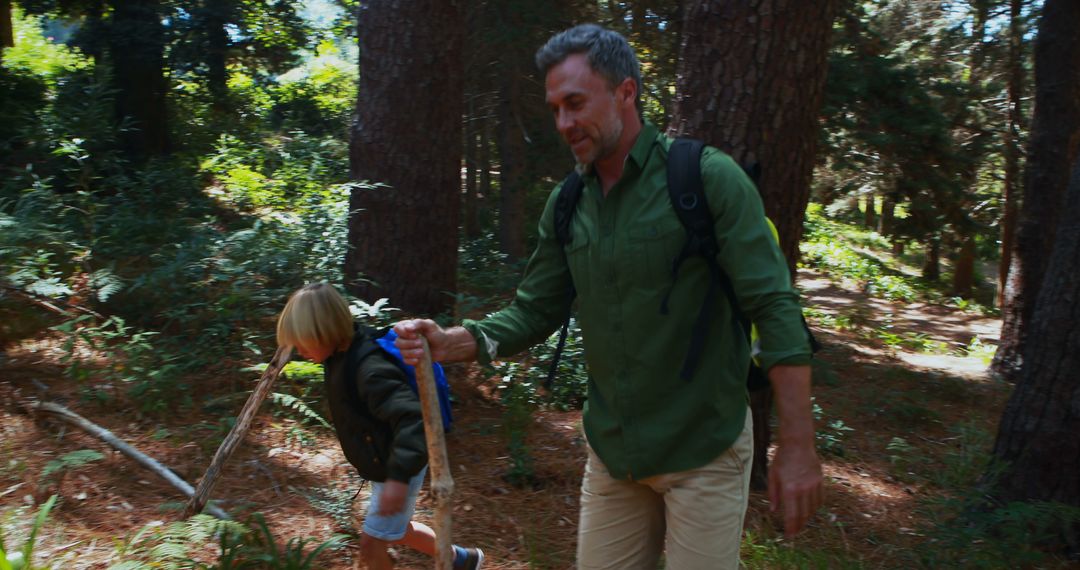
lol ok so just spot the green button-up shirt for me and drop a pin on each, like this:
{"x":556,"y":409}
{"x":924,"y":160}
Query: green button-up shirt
{"x":641,"y":418}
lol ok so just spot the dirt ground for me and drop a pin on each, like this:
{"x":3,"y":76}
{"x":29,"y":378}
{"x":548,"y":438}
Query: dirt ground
{"x":872,"y":512}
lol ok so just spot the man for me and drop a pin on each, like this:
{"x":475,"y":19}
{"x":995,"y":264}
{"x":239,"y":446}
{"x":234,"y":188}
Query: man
{"x":669,"y":459}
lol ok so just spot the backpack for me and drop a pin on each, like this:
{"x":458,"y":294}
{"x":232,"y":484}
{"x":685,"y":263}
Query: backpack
{"x":687,"y":194}
{"x":383,"y":341}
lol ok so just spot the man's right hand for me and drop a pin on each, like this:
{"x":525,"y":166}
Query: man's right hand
{"x":409,"y":335}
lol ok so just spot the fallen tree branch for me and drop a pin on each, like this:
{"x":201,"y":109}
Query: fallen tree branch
{"x":238,"y":431}
{"x":108,"y":437}
{"x":44,"y":301}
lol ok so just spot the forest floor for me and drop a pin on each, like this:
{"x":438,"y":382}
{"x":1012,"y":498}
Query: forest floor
{"x":898,"y":427}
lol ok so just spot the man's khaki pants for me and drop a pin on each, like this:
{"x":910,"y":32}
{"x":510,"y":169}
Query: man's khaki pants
{"x":695,"y":517}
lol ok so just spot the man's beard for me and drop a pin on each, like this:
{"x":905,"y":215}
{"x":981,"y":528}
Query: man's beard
{"x":607,"y":144}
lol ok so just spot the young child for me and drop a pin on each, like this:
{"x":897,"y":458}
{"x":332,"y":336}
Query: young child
{"x":377,"y":417}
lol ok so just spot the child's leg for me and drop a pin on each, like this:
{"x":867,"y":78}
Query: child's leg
{"x":420,"y":537}
{"x":375,"y":554}
{"x":381,"y":531}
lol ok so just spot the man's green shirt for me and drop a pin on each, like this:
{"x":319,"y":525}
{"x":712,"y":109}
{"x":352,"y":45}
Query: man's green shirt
{"x":641,"y":418}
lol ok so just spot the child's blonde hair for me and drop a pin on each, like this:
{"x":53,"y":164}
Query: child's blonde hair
{"x":315,"y":316}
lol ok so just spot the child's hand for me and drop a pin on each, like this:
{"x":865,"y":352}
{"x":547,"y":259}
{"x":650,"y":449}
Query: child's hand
{"x":393,"y":496}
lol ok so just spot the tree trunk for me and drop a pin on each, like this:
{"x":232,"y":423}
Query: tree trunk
{"x":7,"y":30}
{"x":472,"y":220}
{"x":1055,"y":135}
{"x":868,"y":213}
{"x":137,"y":48}
{"x":1037,"y":442}
{"x":751,"y":81}
{"x":1011,"y":189}
{"x":931,"y":269}
{"x":485,"y":163}
{"x":217,"y":75}
{"x":408,"y":136}
{"x":964,"y":268}
{"x":888,"y":211}
{"x":511,"y":168}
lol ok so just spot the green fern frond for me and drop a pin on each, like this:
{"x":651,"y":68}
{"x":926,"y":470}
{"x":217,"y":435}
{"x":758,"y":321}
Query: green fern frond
{"x":299,"y":406}
{"x":71,"y":461}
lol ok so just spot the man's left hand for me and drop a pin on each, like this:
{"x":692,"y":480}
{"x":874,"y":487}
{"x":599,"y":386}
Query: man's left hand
{"x":795,"y":481}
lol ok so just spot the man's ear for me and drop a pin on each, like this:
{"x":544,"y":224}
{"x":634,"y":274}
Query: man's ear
{"x":627,"y":91}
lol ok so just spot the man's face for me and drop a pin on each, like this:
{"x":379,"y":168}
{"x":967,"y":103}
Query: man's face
{"x":586,"y":108}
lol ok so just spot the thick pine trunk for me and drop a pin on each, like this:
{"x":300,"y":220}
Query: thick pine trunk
{"x":751,"y":81}
{"x":1037,"y":441}
{"x":1055,"y":135}
{"x":137,"y":49}
{"x":408,"y":136}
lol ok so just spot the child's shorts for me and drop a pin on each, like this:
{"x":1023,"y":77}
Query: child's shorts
{"x":392,"y":527}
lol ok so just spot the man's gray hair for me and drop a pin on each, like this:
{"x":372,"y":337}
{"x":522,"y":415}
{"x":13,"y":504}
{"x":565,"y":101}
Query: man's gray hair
{"x":608,"y":53}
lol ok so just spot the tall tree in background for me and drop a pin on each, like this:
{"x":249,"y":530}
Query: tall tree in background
{"x":7,"y":32}
{"x":408,"y":136}
{"x":1055,"y":138}
{"x":1037,"y":443}
{"x":136,"y":40}
{"x":751,"y":82}
{"x":1011,"y":187}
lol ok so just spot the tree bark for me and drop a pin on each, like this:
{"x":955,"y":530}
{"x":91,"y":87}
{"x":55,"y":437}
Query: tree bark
{"x":751,"y":82}
{"x":1055,"y":135}
{"x":888,"y":211}
{"x":1037,"y":441}
{"x":1011,"y":189}
{"x":868,"y":212}
{"x":215,"y":17}
{"x":931,"y":269}
{"x":137,"y":50}
{"x":964,"y":268}
{"x":407,"y":136}
{"x":511,"y":169}
{"x":7,"y":29}
{"x":472,"y":219}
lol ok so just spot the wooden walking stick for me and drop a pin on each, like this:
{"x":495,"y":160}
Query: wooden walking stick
{"x":238,"y":431}
{"x":442,"y":481}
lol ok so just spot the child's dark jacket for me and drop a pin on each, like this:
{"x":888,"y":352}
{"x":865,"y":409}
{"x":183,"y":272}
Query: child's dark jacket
{"x":377,"y":415}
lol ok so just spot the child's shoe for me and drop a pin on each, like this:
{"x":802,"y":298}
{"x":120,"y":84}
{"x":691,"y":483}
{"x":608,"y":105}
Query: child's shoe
{"x":474,"y":558}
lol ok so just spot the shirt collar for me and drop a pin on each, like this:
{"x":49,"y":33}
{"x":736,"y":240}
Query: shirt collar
{"x":644,"y":143}
{"x":639,"y":153}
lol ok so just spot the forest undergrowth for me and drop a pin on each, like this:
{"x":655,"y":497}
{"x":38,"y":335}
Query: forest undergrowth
{"x":905,"y":417}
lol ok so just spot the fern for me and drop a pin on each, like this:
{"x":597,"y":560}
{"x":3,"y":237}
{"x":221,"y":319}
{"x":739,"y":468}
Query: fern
{"x":299,"y":406}
{"x":71,"y":460}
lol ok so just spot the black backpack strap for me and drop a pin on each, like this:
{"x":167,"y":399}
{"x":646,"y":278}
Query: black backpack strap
{"x":687,"y":193}
{"x":565,"y":205}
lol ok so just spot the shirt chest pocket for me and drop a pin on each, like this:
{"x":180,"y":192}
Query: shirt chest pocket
{"x":653,"y":249}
